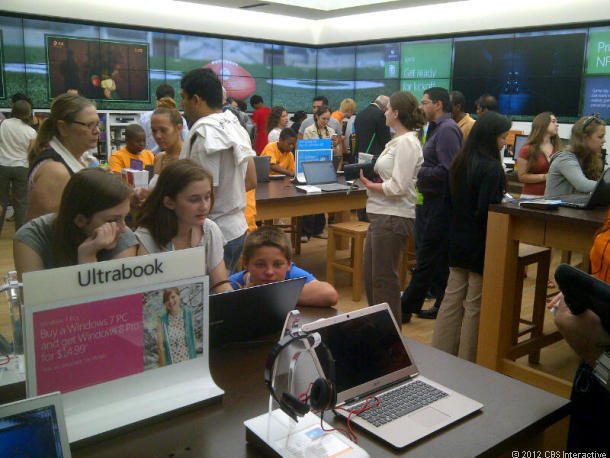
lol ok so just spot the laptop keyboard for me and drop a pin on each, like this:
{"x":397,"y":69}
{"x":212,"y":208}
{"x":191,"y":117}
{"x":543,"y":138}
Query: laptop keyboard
{"x":332,"y":187}
{"x":576,"y":201}
{"x":400,"y":402}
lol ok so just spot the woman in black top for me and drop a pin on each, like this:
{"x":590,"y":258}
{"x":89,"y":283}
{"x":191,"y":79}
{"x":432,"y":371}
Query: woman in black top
{"x":476,"y":180}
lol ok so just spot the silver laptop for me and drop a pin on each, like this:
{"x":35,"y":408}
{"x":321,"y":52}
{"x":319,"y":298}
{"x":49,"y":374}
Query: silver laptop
{"x":250,"y":313}
{"x":599,"y":197}
{"x":34,"y":427}
{"x":322,"y":174}
{"x":263,"y":165}
{"x":372,"y":359}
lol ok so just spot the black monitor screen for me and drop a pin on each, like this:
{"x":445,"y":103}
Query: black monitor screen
{"x":364,"y":349}
{"x":98,"y":69}
{"x":528,"y":73}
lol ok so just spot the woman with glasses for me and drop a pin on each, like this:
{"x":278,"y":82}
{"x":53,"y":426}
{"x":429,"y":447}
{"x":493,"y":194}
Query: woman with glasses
{"x":71,"y":129}
{"x":579,"y":167}
{"x":89,"y":226}
{"x":535,"y":156}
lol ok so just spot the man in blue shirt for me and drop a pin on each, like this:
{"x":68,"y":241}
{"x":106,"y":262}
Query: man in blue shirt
{"x":443,"y":141}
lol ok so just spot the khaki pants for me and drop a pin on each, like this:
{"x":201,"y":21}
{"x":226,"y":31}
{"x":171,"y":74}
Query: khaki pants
{"x":456,"y":330}
{"x":385,"y":240}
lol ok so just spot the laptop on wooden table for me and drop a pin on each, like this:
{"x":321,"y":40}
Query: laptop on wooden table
{"x":322,"y":174}
{"x":249,"y":313}
{"x":34,"y":427}
{"x":372,"y":359}
{"x":599,"y":197}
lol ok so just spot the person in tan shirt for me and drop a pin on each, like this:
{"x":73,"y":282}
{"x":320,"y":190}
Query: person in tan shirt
{"x":464,"y":121}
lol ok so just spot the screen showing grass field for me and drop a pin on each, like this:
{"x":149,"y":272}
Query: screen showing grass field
{"x":98,"y":69}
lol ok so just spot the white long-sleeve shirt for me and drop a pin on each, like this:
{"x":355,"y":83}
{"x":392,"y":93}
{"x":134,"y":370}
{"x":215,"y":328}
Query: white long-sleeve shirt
{"x":397,"y":166}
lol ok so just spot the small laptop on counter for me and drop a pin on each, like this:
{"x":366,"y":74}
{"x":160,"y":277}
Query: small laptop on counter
{"x":34,"y":427}
{"x":249,"y":313}
{"x":599,"y":197}
{"x":372,"y":359}
{"x":322,"y":174}
{"x":262,"y":165}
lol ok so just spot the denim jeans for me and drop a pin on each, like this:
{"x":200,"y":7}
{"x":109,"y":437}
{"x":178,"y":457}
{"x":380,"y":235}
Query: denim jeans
{"x":232,"y":253}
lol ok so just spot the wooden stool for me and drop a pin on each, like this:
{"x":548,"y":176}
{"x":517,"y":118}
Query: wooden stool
{"x":407,"y":262}
{"x":530,"y":254}
{"x":355,"y":231}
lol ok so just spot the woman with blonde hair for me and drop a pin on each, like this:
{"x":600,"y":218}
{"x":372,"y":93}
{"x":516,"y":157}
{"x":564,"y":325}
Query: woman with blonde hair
{"x":579,"y":167}
{"x":71,"y":129}
{"x":277,"y":120}
{"x":535,"y":156}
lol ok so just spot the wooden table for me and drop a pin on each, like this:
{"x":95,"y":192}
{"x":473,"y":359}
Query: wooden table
{"x":280,"y":199}
{"x":507,"y":225}
{"x":514,"y":416}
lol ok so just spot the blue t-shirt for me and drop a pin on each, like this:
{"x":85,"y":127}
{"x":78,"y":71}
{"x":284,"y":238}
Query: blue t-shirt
{"x":294,"y":272}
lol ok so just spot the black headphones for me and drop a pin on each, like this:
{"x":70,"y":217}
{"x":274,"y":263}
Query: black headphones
{"x":322,"y":395}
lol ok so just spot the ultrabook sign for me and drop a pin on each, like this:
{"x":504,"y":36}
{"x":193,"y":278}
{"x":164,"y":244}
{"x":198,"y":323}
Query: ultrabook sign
{"x":45,"y":286}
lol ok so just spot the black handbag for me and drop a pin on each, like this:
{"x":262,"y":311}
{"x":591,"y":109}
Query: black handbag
{"x":352,"y":171}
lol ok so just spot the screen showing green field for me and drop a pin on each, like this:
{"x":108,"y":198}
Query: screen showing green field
{"x":426,"y":60}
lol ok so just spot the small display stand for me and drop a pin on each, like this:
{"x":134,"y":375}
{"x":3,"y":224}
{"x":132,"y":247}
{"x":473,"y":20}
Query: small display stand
{"x":123,"y":340}
{"x":275,"y":433}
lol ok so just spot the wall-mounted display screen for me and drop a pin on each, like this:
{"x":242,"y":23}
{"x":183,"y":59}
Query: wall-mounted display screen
{"x":2,"y":93}
{"x":337,"y":63}
{"x":121,"y":67}
{"x":98,"y":69}
{"x":527,"y":73}
{"x":378,"y":61}
{"x":598,"y":53}
{"x":597,"y":96}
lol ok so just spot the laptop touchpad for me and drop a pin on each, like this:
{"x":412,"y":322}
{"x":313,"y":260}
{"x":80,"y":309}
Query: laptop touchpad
{"x":429,"y":417}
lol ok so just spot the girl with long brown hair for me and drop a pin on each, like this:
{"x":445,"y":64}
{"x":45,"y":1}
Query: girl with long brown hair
{"x":535,"y":156}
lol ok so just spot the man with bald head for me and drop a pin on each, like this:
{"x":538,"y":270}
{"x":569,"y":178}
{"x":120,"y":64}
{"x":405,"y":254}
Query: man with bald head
{"x":371,"y":132}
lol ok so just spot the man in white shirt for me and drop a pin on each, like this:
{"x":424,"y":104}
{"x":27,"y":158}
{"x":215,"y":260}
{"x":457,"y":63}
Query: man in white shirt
{"x":164,"y":90}
{"x":15,"y":137}
{"x":221,"y":145}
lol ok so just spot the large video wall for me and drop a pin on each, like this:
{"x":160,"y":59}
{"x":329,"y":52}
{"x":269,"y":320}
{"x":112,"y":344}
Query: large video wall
{"x":565,"y":71}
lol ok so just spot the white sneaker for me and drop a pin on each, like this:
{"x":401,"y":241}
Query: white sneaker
{"x":304,"y":239}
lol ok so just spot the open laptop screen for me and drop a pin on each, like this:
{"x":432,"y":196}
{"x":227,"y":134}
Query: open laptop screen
{"x":319,"y":172}
{"x":519,"y":142}
{"x":365,"y":348}
{"x":34,"y":433}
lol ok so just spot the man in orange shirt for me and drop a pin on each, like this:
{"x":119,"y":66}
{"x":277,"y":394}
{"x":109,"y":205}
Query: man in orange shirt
{"x":132,"y":155}
{"x":282,"y":159}
{"x":345,"y":111}
{"x":463,"y":119}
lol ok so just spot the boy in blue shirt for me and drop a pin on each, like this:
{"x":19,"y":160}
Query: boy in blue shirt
{"x":267,"y":258}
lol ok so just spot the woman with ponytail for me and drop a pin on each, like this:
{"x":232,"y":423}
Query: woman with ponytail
{"x":71,"y":129}
{"x":391,"y":203}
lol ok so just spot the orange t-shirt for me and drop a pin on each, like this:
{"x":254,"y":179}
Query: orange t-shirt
{"x":123,"y":159}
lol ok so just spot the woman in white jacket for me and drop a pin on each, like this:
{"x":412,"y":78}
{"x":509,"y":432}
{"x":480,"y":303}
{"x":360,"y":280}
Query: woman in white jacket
{"x":391,"y":202}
